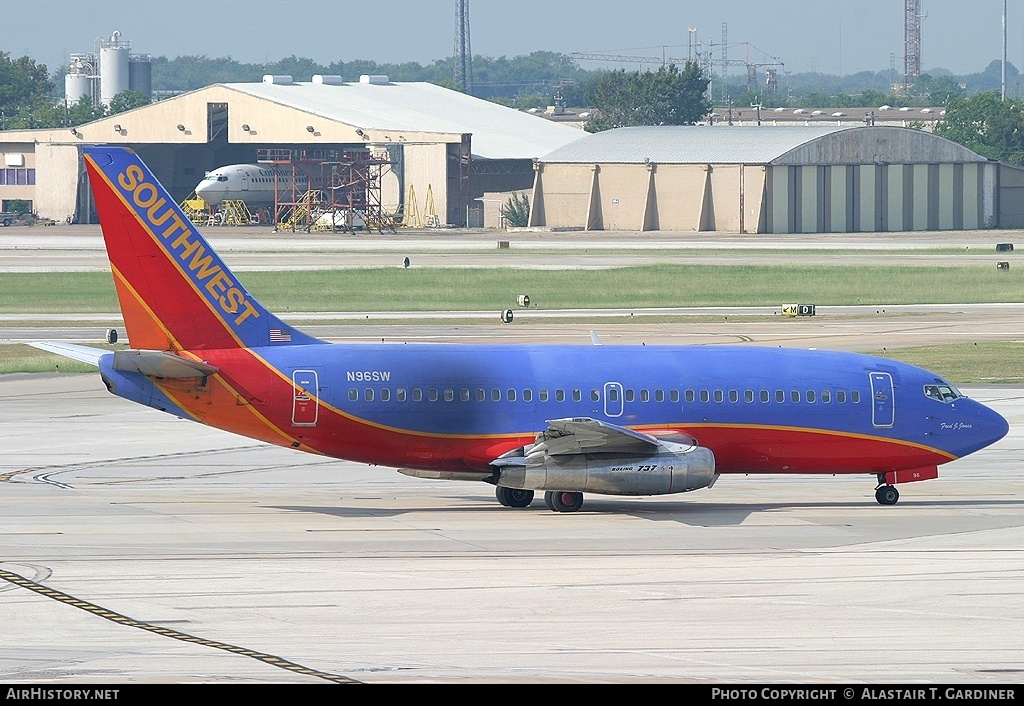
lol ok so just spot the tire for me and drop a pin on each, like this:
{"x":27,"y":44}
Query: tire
{"x":563,"y":501}
{"x":513,"y":497}
{"x":887,"y":495}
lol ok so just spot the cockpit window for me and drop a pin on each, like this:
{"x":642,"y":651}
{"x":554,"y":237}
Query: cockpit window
{"x":942,"y":391}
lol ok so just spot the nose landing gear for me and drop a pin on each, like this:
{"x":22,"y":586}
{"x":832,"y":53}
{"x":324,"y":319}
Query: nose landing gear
{"x":886,"y":494}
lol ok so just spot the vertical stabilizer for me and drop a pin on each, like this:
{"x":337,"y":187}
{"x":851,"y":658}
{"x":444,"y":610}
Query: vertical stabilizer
{"x":175,"y":291}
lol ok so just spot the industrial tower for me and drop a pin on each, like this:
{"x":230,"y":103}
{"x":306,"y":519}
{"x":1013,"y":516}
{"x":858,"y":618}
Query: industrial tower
{"x":463,"y":51}
{"x":911,"y":42}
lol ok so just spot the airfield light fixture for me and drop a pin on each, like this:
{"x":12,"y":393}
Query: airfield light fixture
{"x":309,"y":128}
{"x":359,"y":132}
{"x":245,"y":126}
{"x":181,"y":127}
{"x":117,"y":128}
{"x":74,"y":131}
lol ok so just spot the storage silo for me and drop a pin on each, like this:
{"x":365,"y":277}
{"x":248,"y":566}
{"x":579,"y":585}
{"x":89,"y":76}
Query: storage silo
{"x":140,"y":74}
{"x":80,"y":80}
{"x":113,"y":66}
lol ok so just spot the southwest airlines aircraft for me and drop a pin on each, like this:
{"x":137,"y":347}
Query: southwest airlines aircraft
{"x":566,"y":420}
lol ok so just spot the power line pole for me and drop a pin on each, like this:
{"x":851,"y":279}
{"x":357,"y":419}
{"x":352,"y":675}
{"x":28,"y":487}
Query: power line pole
{"x":1003,"y":91}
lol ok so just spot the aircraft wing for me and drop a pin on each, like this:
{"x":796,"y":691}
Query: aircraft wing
{"x":84,"y":354}
{"x":578,"y":435}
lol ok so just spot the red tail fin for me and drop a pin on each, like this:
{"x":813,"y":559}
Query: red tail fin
{"x":175,"y":292}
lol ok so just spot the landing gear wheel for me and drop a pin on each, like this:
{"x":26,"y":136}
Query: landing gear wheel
{"x":563,"y":501}
{"x":887,"y":495}
{"x":513,"y":497}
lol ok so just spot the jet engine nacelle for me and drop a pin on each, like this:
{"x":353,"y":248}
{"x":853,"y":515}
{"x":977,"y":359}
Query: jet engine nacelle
{"x":674,"y":469}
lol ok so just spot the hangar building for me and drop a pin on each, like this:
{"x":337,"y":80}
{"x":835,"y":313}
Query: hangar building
{"x":773,"y":179}
{"x":434,"y":139}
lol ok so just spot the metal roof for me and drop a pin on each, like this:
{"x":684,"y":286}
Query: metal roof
{"x":768,"y":144}
{"x":498,"y":132}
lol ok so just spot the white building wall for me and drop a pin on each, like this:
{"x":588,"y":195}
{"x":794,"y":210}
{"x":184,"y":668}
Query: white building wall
{"x":425,"y":168}
{"x":57,"y":181}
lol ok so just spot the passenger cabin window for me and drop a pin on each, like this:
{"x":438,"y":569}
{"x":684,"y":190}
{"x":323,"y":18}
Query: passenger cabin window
{"x":855,"y":396}
{"x":559,"y":395}
{"x":810,"y":396}
{"x":826,"y":396}
{"x":353,"y":394}
{"x":495,"y":395}
{"x":659,"y":395}
{"x":385,"y":395}
{"x":645,"y":396}
{"x":432,"y":394}
{"x":417,"y":394}
{"x":542,"y":395}
{"x":595,"y":396}
{"x":780,"y":396}
{"x":511,"y":393}
{"x":841,"y":396}
{"x":794,"y":395}
{"x":577,"y":395}
{"x":673,"y":395}
{"x":629,"y":395}
{"x":400,"y":394}
{"x":527,"y":395}
{"x":689,"y":395}
{"x":748,"y":395}
{"x":705,"y":396}
{"x":449,"y":394}
{"x":765,"y":396}
{"x":734,"y":396}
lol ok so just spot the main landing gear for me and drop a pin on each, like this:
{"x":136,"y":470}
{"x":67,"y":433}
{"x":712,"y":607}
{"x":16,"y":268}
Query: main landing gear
{"x":513,"y":497}
{"x":557,"y":500}
{"x":563,"y":501}
{"x":885,"y":494}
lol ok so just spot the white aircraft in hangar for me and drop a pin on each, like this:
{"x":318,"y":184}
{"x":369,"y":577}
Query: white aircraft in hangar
{"x":251,"y":183}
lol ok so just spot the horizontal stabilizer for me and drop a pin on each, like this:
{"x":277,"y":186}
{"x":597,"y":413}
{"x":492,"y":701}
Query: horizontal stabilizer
{"x":84,"y":354}
{"x":161,"y":364}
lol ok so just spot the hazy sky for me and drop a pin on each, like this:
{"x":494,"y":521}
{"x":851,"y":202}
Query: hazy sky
{"x":824,"y":36}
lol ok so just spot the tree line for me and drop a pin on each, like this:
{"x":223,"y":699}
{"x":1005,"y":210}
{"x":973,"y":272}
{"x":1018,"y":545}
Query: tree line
{"x":669,"y":95}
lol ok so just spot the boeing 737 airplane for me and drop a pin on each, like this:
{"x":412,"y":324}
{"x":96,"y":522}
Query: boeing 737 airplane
{"x":255,"y":184}
{"x":566,"y":420}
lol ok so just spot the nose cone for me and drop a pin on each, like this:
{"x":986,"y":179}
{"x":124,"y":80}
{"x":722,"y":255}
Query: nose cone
{"x":209,"y":191}
{"x":985,"y":425}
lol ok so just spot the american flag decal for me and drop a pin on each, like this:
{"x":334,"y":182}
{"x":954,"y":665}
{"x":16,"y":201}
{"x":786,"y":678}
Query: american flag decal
{"x":280,"y":336}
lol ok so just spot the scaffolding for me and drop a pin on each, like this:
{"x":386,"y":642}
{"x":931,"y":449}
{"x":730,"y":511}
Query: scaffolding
{"x":327,"y":189}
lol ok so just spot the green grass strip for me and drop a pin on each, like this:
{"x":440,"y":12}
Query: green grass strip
{"x":438,"y":289}
{"x":966,"y":363}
